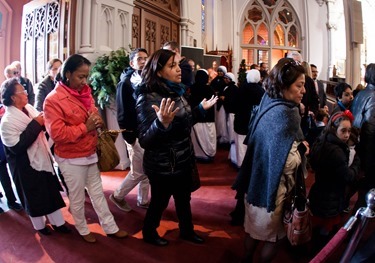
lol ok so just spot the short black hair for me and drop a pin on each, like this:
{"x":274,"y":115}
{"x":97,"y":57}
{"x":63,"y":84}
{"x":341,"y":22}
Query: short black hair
{"x":135,"y":51}
{"x":340,"y":88}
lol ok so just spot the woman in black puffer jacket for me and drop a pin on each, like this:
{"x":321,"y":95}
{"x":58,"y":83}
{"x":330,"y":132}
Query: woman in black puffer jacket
{"x":164,"y":124}
{"x":329,"y":159}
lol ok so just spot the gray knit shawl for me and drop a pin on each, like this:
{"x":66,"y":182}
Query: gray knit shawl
{"x":272,"y":132}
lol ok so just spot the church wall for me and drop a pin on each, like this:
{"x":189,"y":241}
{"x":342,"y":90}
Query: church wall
{"x":109,"y":25}
{"x":224,"y":29}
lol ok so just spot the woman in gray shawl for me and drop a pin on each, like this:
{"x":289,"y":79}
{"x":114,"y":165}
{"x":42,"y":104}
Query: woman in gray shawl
{"x":275,"y":151}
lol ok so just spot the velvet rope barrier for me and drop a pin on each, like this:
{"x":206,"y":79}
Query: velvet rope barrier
{"x":331,"y":246}
{"x":362,"y":215}
{"x":354,"y":240}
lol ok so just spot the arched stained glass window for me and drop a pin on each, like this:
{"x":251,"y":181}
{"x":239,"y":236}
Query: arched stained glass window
{"x":279,"y":35}
{"x":248,"y":34}
{"x":262,"y":34}
{"x":270,"y":28}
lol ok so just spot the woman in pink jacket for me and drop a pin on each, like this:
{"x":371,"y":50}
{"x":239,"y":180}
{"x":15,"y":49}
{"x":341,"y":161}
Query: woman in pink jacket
{"x":71,"y":119}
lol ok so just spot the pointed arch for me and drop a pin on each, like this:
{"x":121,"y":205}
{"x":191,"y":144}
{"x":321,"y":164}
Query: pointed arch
{"x":124,"y":22}
{"x":106,"y":18}
{"x":269,"y":29}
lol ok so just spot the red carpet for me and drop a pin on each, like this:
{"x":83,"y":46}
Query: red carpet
{"x":211,"y":205}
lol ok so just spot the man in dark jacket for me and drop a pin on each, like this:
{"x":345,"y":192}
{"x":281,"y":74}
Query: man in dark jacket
{"x":319,"y":86}
{"x":363,"y":109}
{"x":127,"y":119}
{"x":25,"y":82}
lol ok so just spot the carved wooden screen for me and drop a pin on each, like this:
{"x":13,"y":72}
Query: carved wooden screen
{"x":155,"y":22}
{"x":46,"y":34}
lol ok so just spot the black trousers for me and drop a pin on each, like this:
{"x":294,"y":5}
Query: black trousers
{"x":162,"y":188}
{"x":6,"y":183}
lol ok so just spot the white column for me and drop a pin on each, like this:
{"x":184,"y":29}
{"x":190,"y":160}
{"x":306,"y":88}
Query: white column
{"x":331,"y":25}
{"x":86,"y":46}
{"x":184,"y":31}
{"x":184,"y":23}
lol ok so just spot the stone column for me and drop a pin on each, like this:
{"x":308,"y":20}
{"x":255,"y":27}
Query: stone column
{"x":86,"y":28}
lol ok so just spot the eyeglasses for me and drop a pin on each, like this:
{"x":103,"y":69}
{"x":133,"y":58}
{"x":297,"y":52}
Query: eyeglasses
{"x":139,"y":59}
{"x":23,"y":91}
{"x":15,"y":72}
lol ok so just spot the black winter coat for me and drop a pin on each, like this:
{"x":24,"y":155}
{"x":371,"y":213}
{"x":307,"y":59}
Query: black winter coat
{"x":363,"y":109}
{"x":167,"y":151}
{"x":44,"y":88}
{"x":329,"y":160}
{"x":125,"y":100}
{"x":248,"y":95}
{"x":197,"y":94}
{"x":229,"y":93}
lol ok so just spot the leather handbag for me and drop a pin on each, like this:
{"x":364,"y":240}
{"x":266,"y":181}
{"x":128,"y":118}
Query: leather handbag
{"x":108,"y":157}
{"x":297,"y":215}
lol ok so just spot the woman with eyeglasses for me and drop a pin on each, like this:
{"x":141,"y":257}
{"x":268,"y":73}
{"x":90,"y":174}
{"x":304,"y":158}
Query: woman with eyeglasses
{"x":30,"y":159}
{"x":275,"y":150}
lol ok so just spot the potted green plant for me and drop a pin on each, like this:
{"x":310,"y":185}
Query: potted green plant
{"x":105,"y":75}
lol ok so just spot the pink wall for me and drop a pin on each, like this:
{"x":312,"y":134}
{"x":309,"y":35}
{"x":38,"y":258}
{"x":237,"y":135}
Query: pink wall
{"x":15,"y":42}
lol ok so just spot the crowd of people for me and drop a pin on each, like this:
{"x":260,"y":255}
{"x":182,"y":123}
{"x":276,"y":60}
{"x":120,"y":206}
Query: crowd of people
{"x":276,"y":123}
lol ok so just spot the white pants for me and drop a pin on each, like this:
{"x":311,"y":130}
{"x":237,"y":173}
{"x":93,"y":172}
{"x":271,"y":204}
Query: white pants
{"x":77,"y":178}
{"x":135,"y":176}
{"x":240,"y":148}
{"x":230,"y":127}
{"x":55,"y":218}
{"x":221,"y":125}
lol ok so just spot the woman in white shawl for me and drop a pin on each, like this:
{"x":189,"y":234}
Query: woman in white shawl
{"x":30,"y":159}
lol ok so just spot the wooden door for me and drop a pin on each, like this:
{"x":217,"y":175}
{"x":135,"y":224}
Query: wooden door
{"x":154,"y":23}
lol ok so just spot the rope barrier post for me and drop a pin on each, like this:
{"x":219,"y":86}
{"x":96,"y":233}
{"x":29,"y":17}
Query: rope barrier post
{"x":365,"y":214}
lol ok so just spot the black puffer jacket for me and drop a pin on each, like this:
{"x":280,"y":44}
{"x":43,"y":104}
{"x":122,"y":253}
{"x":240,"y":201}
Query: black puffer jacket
{"x":167,"y":151}
{"x":329,"y":159}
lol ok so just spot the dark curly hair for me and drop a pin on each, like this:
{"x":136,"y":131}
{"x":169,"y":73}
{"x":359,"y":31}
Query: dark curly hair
{"x":282,"y":76}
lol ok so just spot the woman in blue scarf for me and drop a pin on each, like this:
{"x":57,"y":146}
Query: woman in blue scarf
{"x":275,"y":151}
{"x":165,"y":120}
